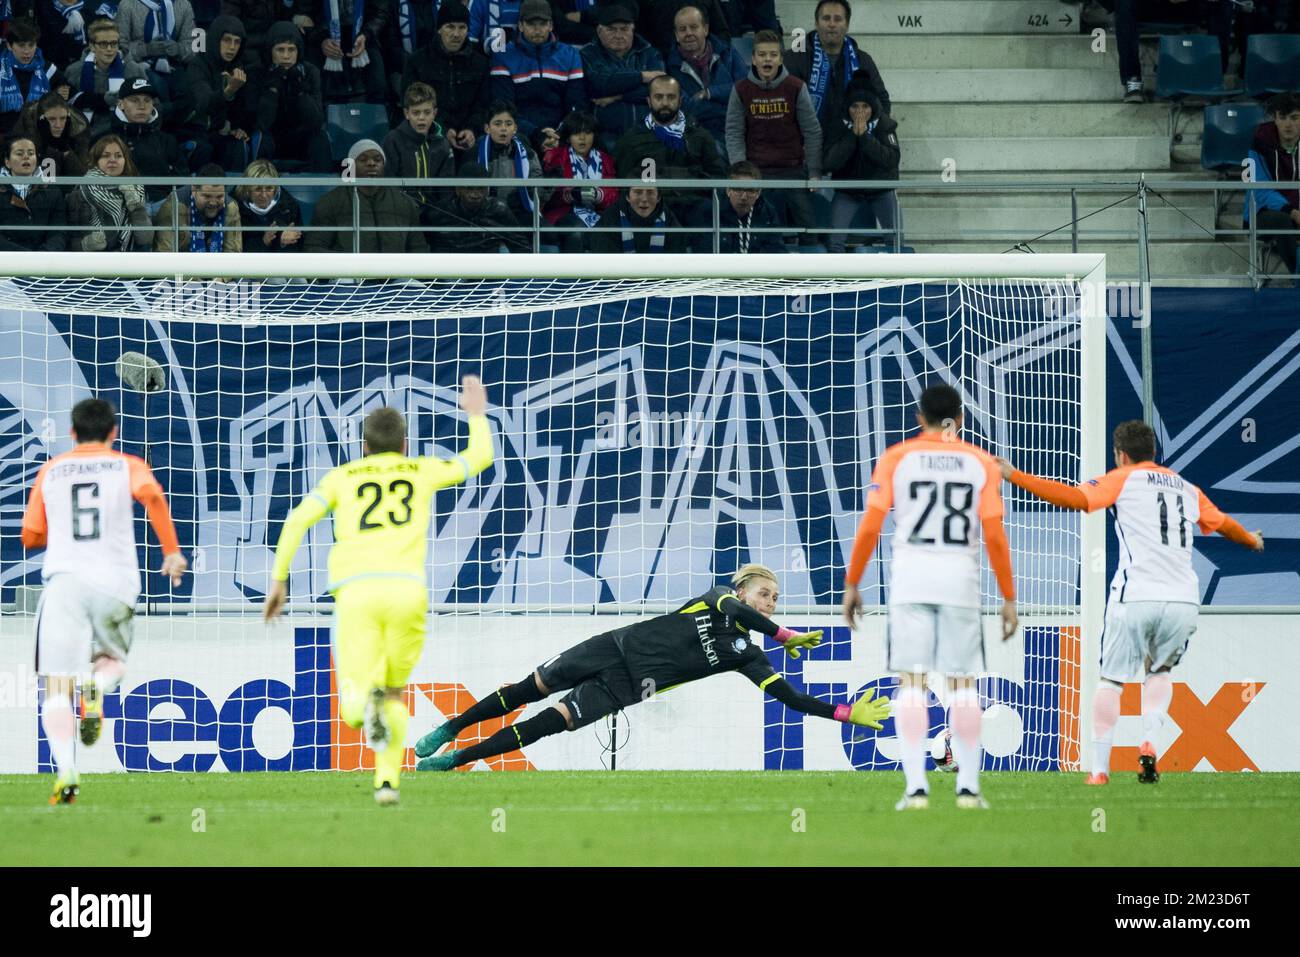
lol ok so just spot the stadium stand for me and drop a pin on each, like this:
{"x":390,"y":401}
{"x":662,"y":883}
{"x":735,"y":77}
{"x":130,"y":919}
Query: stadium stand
{"x":1272,"y":63}
{"x":1189,"y":65}
{"x":1229,"y":130}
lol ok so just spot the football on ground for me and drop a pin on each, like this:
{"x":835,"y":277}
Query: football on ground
{"x":647,"y":817}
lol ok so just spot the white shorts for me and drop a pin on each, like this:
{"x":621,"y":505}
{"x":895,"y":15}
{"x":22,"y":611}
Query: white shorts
{"x":76,"y":624}
{"x":1143,"y":637}
{"x":944,"y":638}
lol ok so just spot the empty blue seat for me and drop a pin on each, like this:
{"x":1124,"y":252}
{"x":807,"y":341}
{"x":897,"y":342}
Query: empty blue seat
{"x":1190,"y":65}
{"x":1272,"y":63}
{"x":345,"y":123}
{"x":1229,"y":130}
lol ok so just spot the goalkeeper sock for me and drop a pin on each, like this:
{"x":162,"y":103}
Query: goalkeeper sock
{"x":388,"y":763}
{"x":912,"y":718}
{"x":1157,"y":692}
{"x":516,"y":736}
{"x":966,"y":717}
{"x":1105,"y":714}
{"x":498,"y":704}
{"x":56,"y":716}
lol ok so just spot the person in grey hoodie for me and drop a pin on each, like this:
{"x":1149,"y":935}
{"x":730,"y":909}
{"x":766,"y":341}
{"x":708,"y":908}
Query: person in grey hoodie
{"x":772,"y":123}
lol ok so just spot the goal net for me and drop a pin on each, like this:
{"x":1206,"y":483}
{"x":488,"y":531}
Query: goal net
{"x":658,"y":421}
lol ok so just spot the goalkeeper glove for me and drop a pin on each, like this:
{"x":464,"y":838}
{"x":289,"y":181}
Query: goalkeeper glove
{"x":792,"y":641}
{"x":867,"y":711}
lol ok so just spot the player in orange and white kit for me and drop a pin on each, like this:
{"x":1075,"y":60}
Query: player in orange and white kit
{"x":944,"y":493}
{"x":80,"y":512}
{"x":1151,"y":612}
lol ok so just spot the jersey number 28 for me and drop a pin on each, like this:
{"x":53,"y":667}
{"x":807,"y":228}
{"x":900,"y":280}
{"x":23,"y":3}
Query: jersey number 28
{"x":958,"y":497}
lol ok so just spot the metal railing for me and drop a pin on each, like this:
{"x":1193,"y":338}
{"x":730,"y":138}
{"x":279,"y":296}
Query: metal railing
{"x":1206,"y":212}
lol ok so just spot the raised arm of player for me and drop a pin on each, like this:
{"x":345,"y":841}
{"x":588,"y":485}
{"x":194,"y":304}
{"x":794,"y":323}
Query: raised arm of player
{"x":477,"y":453}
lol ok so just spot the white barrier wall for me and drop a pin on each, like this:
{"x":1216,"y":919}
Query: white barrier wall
{"x":232,"y":694}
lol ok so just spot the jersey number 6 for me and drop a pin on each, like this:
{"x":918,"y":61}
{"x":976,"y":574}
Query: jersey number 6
{"x":408,"y":492}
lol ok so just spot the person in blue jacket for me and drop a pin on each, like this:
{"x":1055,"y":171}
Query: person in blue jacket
{"x":1273,"y":158}
{"x":707,"y":68}
{"x":617,"y":67}
{"x":540,"y":75}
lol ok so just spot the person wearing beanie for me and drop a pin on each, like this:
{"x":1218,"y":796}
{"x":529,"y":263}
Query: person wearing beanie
{"x":159,"y":39}
{"x":772,"y":123}
{"x":540,"y":75}
{"x":290,"y":109}
{"x":155,"y":152}
{"x":259,"y":16}
{"x":94,"y":81}
{"x":473,"y":206}
{"x":199,"y":218}
{"x":377,"y":207}
{"x":347,"y":45}
{"x":214,"y":108}
{"x":864,"y":145}
{"x":416,"y":149}
{"x":459,"y":72}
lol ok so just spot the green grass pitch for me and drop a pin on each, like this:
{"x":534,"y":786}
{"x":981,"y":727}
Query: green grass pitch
{"x":638,"y":818}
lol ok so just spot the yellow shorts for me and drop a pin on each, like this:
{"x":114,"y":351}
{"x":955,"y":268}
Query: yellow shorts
{"x":379,"y":628}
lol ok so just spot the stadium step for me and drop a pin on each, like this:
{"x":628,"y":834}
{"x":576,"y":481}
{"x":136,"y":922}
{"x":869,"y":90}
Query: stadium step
{"x":1176,"y":262}
{"x":945,"y":16}
{"x":1050,"y":51}
{"x":1035,"y":119}
{"x":1116,"y":153}
{"x":957,"y":87}
{"x":1014,"y":224}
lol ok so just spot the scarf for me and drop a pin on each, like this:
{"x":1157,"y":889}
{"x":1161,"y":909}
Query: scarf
{"x":701,"y":63}
{"x":212,"y":240}
{"x":629,"y":237}
{"x":673,"y":135}
{"x":590,"y":168}
{"x":6,"y":11}
{"x":11,"y":94}
{"x":22,"y":191}
{"x":107,"y":208}
{"x":406,"y":22}
{"x":334,"y":64}
{"x":115,"y":73}
{"x":263,"y":210}
{"x":742,"y":237}
{"x":819,"y":76}
{"x":520,"y":161}
{"x":73,"y":23}
{"x":160,"y":23}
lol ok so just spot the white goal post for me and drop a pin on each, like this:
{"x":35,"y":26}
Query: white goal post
{"x":739,"y":340}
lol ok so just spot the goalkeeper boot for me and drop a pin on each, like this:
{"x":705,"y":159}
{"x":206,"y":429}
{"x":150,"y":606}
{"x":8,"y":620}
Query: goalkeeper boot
{"x":376,"y":727}
{"x":66,"y":790}
{"x":916,"y":801}
{"x":434,"y":740}
{"x":442,"y":762}
{"x":386,"y":795}
{"x":1147,"y":758}
{"x":92,"y":713}
{"x":1097,"y":779}
{"x":971,"y":801}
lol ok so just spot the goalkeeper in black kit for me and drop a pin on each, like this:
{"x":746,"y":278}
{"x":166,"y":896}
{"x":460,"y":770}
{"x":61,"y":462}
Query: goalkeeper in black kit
{"x":707,"y":636}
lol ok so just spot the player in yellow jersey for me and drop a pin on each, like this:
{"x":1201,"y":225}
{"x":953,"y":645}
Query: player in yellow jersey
{"x":381,"y":505}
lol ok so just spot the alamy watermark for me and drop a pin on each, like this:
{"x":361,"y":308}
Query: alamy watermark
{"x":206,"y":299}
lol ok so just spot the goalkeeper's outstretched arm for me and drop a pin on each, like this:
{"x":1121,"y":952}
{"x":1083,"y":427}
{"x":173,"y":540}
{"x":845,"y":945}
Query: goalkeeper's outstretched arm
{"x":867,"y":711}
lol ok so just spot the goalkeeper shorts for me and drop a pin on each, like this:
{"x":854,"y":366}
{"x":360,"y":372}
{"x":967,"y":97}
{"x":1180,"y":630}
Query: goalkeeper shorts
{"x":597,"y":673}
{"x":945,"y":638}
{"x":1143,"y":637}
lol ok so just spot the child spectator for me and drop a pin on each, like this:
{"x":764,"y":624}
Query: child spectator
{"x":540,"y":75}
{"x":220,"y":115}
{"x":116,"y":213}
{"x":772,"y":123}
{"x":259,"y":16}
{"x":746,"y":211}
{"x":460,"y":74}
{"x":640,"y":208}
{"x":96,"y":80}
{"x":199,"y":218}
{"x":154,"y":152}
{"x":417,"y":149}
{"x":473,"y":206}
{"x":1273,"y":158}
{"x":60,"y":134}
{"x":157,"y":34}
{"x":290,"y":108}
{"x":863,"y":146}
{"x":377,"y":207}
{"x":24,"y":74}
{"x":271,"y":217}
{"x":617,"y":67}
{"x":578,"y":206}
{"x":345,"y":44}
{"x":506,"y":156}
{"x":32,"y":205}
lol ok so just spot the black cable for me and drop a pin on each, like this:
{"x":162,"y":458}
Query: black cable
{"x":605,"y":746}
{"x":1023,"y":246}
{"x":1207,"y":232}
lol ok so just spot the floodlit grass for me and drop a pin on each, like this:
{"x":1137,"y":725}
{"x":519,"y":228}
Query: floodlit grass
{"x":639,"y":818}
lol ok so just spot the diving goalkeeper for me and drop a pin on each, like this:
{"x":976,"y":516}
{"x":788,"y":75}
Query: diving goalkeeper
{"x":707,"y":636}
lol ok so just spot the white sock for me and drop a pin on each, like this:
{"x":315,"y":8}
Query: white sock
{"x":1157,"y":692}
{"x":56,"y":716}
{"x":912,"y":718}
{"x":966,"y":717}
{"x":1105,"y":715}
